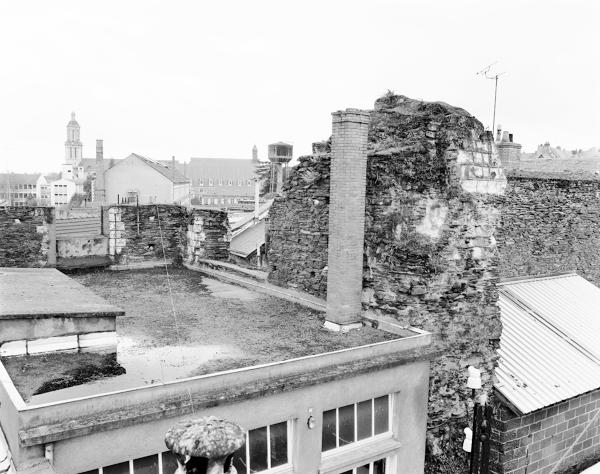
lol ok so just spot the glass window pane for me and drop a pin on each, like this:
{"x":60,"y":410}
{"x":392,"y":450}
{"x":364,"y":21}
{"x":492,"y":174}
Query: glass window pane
{"x":346,"y":424}
{"x":147,"y":465}
{"x":121,"y":468}
{"x":95,"y":471}
{"x":328,"y":432}
{"x":364,"y":414}
{"x":169,"y":463}
{"x":346,"y":472}
{"x":382,"y":414}
{"x":279,"y":444}
{"x":239,"y":460}
{"x":258,"y":449}
{"x":379,"y":466}
{"x":363,"y":469}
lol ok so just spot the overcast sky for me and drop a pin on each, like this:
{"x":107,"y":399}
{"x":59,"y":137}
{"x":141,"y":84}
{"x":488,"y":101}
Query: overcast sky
{"x":192,"y":78}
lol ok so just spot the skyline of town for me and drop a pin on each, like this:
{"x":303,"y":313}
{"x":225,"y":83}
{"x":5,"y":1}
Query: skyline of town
{"x":190,"y":82}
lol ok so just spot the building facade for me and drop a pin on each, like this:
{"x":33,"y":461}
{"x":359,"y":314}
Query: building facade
{"x":222,"y":182}
{"x":20,"y":189}
{"x":137,"y":179}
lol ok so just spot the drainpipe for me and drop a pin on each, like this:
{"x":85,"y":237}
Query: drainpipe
{"x":256,"y":199}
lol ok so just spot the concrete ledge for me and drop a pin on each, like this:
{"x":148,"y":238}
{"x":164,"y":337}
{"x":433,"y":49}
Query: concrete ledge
{"x":40,"y":424}
{"x":236,"y":269}
{"x":98,"y":340}
{"x":13,"y":348}
{"x":52,"y":344}
{"x":341,"y":327}
{"x":138,"y":265}
{"x":294,"y":296}
{"x":85,"y":342}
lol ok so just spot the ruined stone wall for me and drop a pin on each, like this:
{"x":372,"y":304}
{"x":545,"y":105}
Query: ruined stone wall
{"x":208,"y":235}
{"x":550,"y":225}
{"x":138,"y":233}
{"x":25,"y":239}
{"x":298,"y":228}
{"x":430,"y":258}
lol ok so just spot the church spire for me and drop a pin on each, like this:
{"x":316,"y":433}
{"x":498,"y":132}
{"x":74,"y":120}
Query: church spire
{"x":73,"y":145}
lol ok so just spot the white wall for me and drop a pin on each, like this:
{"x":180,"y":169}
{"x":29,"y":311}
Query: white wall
{"x":133,"y":175}
{"x":61,"y":192}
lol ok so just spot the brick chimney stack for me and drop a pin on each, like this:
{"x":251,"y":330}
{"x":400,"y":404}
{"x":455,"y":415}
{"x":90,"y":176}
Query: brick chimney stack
{"x":346,"y":219}
{"x":99,"y":189}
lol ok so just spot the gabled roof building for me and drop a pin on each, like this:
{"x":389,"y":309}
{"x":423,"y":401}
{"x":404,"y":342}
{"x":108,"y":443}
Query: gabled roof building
{"x":548,"y":376}
{"x":138,"y":179}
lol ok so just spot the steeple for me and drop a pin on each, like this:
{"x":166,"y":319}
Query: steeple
{"x":254,"y":153}
{"x":73,"y":145}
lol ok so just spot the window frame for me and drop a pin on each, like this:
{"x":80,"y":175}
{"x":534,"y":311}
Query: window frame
{"x":385,"y":435}
{"x":288,"y":467}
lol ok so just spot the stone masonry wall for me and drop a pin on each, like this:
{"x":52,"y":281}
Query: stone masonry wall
{"x":298,"y":228}
{"x":536,"y":442}
{"x":138,"y":233}
{"x":208,"y":235}
{"x":430,"y":261}
{"x":24,"y":236}
{"x":550,"y":225}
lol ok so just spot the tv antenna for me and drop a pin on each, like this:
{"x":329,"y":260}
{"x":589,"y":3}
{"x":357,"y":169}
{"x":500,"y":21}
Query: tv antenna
{"x":485,"y":72}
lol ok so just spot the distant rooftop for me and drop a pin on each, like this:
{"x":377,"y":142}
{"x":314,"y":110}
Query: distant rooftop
{"x":224,"y":168}
{"x":216,"y":327}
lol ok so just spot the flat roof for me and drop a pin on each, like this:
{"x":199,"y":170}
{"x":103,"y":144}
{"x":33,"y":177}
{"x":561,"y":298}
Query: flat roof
{"x":210,"y":327}
{"x":39,"y":292}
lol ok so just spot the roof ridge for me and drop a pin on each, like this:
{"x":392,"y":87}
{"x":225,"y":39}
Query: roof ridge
{"x":536,"y":315}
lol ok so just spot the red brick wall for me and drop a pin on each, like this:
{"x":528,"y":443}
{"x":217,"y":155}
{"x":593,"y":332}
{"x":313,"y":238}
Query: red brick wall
{"x":535,"y":443}
{"x":347,"y":215}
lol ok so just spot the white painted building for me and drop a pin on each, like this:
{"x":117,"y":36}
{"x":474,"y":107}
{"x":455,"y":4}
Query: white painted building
{"x":61,"y":192}
{"x":42,"y":191}
{"x":142,"y":180}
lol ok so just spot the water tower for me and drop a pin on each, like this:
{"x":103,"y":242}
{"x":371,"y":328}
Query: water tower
{"x":280,"y":154}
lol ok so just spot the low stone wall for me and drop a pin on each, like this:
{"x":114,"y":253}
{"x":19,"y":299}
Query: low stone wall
{"x":550,"y":225}
{"x":139,"y":233}
{"x":535,"y":442}
{"x":26,"y":237}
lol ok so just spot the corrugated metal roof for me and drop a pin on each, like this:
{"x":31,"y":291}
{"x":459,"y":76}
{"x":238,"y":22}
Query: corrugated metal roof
{"x":244,"y":243}
{"x":548,"y":351}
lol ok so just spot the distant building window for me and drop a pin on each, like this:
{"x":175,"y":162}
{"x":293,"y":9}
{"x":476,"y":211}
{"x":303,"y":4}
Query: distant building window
{"x":132,"y":197}
{"x":200,"y":182}
{"x":356,"y":422}
{"x":222,"y":200}
{"x":249,"y":182}
{"x":230,"y":182}
{"x":220,"y":182}
{"x":266,"y":448}
{"x":239,"y":182}
{"x":235,"y":200}
{"x":210,"y":182}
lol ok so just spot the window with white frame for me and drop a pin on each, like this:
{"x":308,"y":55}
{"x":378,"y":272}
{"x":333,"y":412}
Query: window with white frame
{"x":375,"y":467}
{"x":356,"y":422}
{"x":161,"y":463}
{"x":267,"y":449}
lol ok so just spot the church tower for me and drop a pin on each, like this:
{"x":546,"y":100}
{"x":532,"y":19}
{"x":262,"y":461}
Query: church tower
{"x":73,"y":145}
